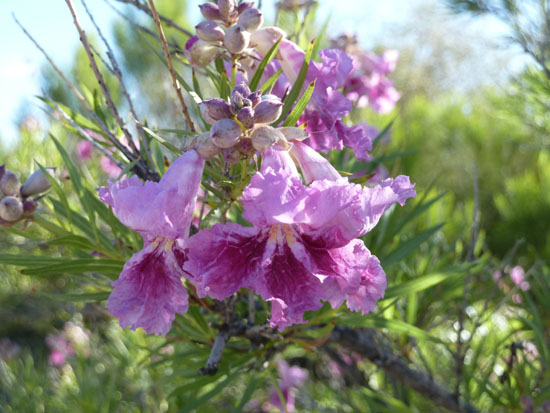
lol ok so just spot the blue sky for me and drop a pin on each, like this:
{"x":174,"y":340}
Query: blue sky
{"x":49,"y":21}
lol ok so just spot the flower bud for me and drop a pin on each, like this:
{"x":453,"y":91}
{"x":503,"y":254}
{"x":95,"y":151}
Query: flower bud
{"x":236,"y":39}
{"x":199,"y":52}
{"x":205,"y":146}
{"x":10,"y":184}
{"x":251,"y":19}
{"x":264,"y":137}
{"x":210,"y":11}
{"x":214,"y":109}
{"x":268,"y":111}
{"x":228,"y":9}
{"x":36,"y":183}
{"x":291,"y":133}
{"x":264,"y":39}
{"x":231,"y":155}
{"x":209,"y":31}
{"x":226,"y":133}
{"x":246,"y":117}
{"x":11,"y":209}
{"x":242,"y":88}
{"x":255,"y":98}
{"x":245,"y":5}
{"x":29,"y":206}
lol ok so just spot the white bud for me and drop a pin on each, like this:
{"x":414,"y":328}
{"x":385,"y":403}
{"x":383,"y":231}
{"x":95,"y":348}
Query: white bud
{"x":292,"y":133}
{"x":36,"y":183}
{"x":236,"y":39}
{"x":205,"y":146}
{"x":226,"y":133}
{"x":264,"y":137}
{"x":10,"y":184}
{"x":251,"y":19}
{"x":11,"y":209}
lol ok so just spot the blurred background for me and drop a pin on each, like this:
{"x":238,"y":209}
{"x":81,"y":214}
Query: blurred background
{"x":471,"y":129}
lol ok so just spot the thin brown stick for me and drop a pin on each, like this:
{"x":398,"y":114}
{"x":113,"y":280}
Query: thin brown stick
{"x":139,"y":5}
{"x":171,"y":67}
{"x":115,"y":69}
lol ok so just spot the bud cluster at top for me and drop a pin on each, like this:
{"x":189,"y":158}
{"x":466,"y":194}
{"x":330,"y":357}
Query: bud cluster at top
{"x":228,"y":25}
{"x":14,"y":204}
{"x":241,"y":125}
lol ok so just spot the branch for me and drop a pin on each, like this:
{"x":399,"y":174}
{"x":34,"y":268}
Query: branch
{"x":144,"y":170}
{"x":171,"y":67}
{"x":366,"y":343}
{"x":139,"y":5}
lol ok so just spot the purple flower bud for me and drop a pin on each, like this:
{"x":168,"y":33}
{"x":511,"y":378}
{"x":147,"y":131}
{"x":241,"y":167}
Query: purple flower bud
{"x":294,"y":133}
{"x":231,"y":155}
{"x":255,"y":98}
{"x":11,"y":209}
{"x":29,"y":206}
{"x":210,"y":11}
{"x":209,"y":31}
{"x":205,"y":146}
{"x":251,"y":19}
{"x":214,"y":109}
{"x":226,"y":133}
{"x":246,"y":117}
{"x":262,"y":40}
{"x":228,"y":9}
{"x":264,"y":137}
{"x":245,"y":146}
{"x":242,"y":88}
{"x":10,"y":184}
{"x":236,"y":39}
{"x":199,"y":52}
{"x":245,"y":5}
{"x":36,"y":183}
{"x":268,"y":111}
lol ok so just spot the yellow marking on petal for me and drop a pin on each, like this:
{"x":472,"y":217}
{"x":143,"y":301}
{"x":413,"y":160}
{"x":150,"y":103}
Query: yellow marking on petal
{"x":273,"y":231}
{"x":168,"y":244}
{"x":289,"y":235}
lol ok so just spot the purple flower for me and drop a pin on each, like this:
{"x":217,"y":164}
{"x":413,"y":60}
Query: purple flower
{"x":301,"y":249}
{"x":149,"y":291}
{"x":290,"y":378}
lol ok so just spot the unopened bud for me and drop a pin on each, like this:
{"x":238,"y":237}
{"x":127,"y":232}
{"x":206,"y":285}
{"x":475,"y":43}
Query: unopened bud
{"x":210,"y":11}
{"x":215,"y":109}
{"x":264,"y":39}
{"x":245,"y":5}
{"x":199,"y":52}
{"x":228,"y":9}
{"x":246,"y":117}
{"x":209,"y":31}
{"x":205,"y":146}
{"x":255,"y":98}
{"x":11,"y":208}
{"x":231,"y":155}
{"x":291,"y":133}
{"x":264,"y":137}
{"x":10,"y":184}
{"x":226,"y":133}
{"x":242,"y":89}
{"x":251,"y":19}
{"x":268,"y":111}
{"x":29,"y":206}
{"x":236,"y":39}
{"x":36,"y":183}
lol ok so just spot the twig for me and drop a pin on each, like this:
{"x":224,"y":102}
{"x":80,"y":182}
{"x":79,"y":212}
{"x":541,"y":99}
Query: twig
{"x":141,"y":170}
{"x":115,"y":69}
{"x":365,"y":343}
{"x":251,"y":307}
{"x":460,"y":354}
{"x":139,"y":5}
{"x":215,"y":357}
{"x":171,"y":67}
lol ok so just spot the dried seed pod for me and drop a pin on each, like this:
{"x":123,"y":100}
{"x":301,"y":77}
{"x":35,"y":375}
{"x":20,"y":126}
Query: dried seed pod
{"x":11,"y":208}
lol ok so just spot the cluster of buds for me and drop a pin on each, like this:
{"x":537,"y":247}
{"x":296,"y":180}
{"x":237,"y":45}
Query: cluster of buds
{"x":241,"y":125}
{"x":15,"y":203}
{"x":229,"y":25}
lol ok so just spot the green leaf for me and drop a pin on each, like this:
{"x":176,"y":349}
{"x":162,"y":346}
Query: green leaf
{"x":80,"y":120}
{"x":73,"y":241}
{"x":77,"y":266}
{"x":210,"y":394}
{"x":417,"y":284}
{"x":248,"y":392}
{"x":30,"y":260}
{"x":268,"y":85}
{"x":163,"y":142}
{"x":407,"y":247}
{"x":297,"y":87}
{"x":395,"y":326}
{"x":255,"y":81}
{"x":300,"y":106}
{"x":84,"y":297}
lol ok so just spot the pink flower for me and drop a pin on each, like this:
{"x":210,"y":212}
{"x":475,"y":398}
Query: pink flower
{"x":109,"y":167}
{"x":149,"y":291}
{"x":301,"y":249}
{"x":517,"y":275}
{"x":84,"y":150}
{"x":290,"y":378}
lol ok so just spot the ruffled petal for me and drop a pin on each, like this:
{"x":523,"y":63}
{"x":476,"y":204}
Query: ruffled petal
{"x":149,"y":292}
{"x":158,"y":209}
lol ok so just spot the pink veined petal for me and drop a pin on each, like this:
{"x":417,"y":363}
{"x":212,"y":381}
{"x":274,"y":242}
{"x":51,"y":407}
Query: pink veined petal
{"x":149,"y":292}
{"x":313,"y":165}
